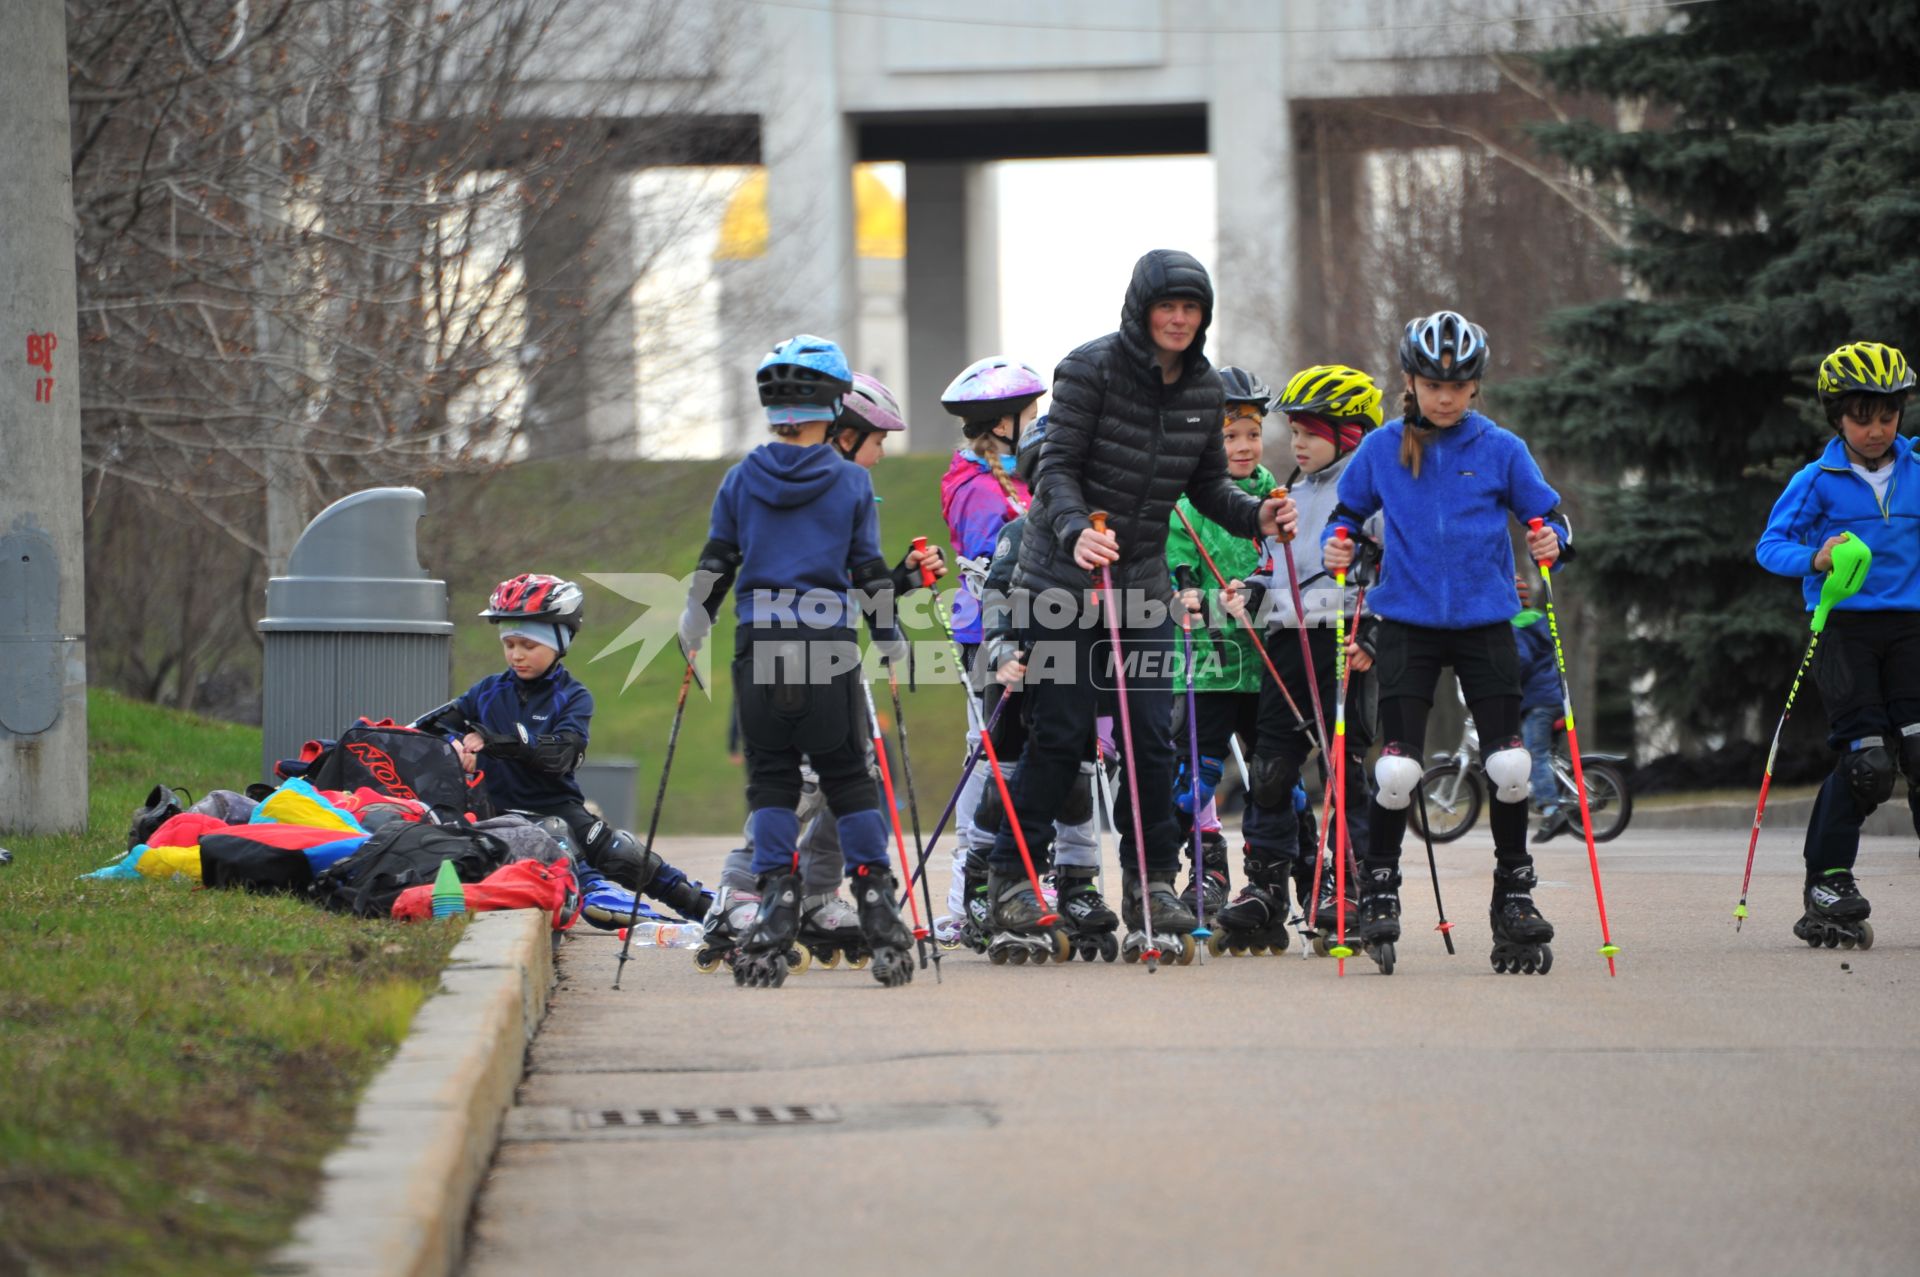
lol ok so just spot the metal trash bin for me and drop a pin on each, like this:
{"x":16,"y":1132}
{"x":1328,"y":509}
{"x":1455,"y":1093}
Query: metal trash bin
{"x":355,"y":627}
{"x":612,"y":785}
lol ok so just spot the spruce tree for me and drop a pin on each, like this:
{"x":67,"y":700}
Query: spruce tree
{"x":1772,"y":193}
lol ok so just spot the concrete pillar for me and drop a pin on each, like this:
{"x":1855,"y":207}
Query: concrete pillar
{"x":807,"y":146}
{"x":1250,"y":134}
{"x":580,"y":263}
{"x":43,"y":669}
{"x":953,"y":286}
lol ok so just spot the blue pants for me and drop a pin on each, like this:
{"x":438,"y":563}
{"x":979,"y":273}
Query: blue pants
{"x":1536,"y":729}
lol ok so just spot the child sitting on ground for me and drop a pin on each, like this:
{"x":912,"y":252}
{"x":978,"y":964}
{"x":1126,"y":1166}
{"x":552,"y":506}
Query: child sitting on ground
{"x":526,"y":728}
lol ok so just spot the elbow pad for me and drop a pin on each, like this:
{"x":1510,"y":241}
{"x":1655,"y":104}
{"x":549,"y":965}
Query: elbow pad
{"x":559,"y":753}
{"x":713,"y":577}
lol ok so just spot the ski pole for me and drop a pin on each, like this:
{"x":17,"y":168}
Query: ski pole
{"x":1345,"y":674}
{"x":1607,"y":947}
{"x":1200,"y":932}
{"x":1151,"y":953}
{"x":1013,"y":820}
{"x":1247,"y":624}
{"x":1300,"y":616}
{"x":920,"y":931}
{"x":973,"y":759}
{"x":1444,"y":927}
{"x":659,"y":800}
{"x":1343,"y":847}
{"x":913,"y":809}
{"x":1851,"y":559}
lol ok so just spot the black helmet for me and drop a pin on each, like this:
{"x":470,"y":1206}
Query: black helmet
{"x":1243,"y":387}
{"x":1427,"y":344}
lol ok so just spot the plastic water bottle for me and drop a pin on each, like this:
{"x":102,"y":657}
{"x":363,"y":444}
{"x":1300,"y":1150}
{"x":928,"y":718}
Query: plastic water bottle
{"x":665,"y":935}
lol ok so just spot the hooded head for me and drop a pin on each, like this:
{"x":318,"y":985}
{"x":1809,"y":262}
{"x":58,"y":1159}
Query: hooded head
{"x":1164,"y":273}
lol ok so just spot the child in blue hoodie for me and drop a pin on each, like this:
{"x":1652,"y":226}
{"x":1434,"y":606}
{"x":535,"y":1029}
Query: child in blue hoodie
{"x":795,"y":529}
{"x":1447,"y":481}
{"x":1867,"y":482}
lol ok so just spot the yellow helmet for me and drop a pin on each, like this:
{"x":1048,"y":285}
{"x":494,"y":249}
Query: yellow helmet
{"x":1335,"y":392}
{"x":1864,"y":367}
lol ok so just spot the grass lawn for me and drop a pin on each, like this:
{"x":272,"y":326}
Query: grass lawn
{"x":175,"y":1063}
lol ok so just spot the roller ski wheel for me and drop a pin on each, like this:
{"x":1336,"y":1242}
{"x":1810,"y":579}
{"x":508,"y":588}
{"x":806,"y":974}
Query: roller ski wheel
{"x":1380,"y":918}
{"x":1018,"y":948}
{"x":949,"y":932}
{"x":830,"y":931}
{"x":707,"y":961}
{"x":1016,"y":935}
{"x":1520,"y":933}
{"x":1836,"y":914}
{"x":760,"y":970}
{"x":729,"y":917}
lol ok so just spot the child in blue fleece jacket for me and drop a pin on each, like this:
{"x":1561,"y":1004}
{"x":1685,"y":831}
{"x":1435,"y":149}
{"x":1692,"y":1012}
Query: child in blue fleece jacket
{"x":798,"y":527}
{"x":1866,"y":483}
{"x":1447,"y":482}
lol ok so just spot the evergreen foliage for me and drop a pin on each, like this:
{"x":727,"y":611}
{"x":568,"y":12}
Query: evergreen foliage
{"x":1772,"y":195}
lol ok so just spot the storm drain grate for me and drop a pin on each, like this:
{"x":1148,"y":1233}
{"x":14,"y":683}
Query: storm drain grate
{"x":605,"y":1119}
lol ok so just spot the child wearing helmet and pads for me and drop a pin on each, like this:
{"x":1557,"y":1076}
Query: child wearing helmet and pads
{"x":1447,"y":482}
{"x":1867,"y":484}
{"x":1330,"y":409}
{"x":527,"y":728}
{"x":1227,"y":670}
{"x":797,"y":527}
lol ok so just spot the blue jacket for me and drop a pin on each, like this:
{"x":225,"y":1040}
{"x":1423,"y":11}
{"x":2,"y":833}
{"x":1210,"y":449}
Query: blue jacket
{"x":803,"y":520}
{"x":1539,"y":672}
{"x":555,"y":709}
{"x":1827,"y":498}
{"x":1448,"y":560}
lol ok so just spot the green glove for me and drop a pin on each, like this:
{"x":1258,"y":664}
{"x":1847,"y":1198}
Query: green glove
{"x":1851,"y":559}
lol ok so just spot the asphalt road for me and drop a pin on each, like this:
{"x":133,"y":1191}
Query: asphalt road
{"x":1728,"y":1103}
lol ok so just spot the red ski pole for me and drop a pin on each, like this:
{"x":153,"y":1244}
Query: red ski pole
{"x":920,"y":931}
{"x":1607,"y":947}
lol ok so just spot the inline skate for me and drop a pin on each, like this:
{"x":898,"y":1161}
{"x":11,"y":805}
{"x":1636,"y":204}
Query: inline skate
{"x":769,"y":949}
{"x":1089,"y":922}
{"x":1256,"y":921}
{"x":1215,"y":885}
{"x":1836,"y":913}
{"x":1323,"y":925}
{"x":1172,"y":923}
{"x":887,"y":940}
{"x":1380,"y":917}
{"x":726,"y":921}
{"x":1015,"y":933}
{"x":1520,"y":934}
{"x":830,"y":930}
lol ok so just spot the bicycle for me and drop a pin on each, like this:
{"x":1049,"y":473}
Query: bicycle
{"x":1456,"y":789}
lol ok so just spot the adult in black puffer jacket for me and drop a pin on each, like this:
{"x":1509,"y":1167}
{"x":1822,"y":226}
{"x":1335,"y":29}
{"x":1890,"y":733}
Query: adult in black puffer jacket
{"x":1134,"y":425}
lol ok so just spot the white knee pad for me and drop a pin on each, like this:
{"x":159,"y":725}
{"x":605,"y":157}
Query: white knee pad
{"x":1395,"y":775}
{"x":1510,"y":770}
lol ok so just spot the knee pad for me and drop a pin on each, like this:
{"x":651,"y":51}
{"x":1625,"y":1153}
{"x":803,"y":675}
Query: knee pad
{"x":1078,"y":808}
{"x":1272,"y":786}
{"x":1868,"y":768}
{"x":1910,"y":752}
{"x":1395,"y":776}
{"x":1510,"y":770}
{"x":624,"y":860}
{"x":1209,"y":781}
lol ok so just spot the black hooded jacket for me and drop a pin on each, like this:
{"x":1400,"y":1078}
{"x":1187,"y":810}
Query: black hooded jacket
{"x":1122,"y":440}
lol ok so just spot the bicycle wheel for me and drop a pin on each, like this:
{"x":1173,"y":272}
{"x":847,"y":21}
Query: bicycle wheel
{"x":1609,"y":801}
{"x":1453,"y":802}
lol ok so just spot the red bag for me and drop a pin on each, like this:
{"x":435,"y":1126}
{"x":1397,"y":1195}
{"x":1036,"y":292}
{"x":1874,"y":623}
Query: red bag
{"x":523,"y":884}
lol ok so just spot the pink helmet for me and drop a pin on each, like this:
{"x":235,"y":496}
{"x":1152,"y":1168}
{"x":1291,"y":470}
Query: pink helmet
{"x":989,"y":389}
{"x":869,"y":406}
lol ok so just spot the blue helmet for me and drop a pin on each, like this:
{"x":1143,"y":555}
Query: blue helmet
{"x":1444,"y":346}
{"x":803,"y":379}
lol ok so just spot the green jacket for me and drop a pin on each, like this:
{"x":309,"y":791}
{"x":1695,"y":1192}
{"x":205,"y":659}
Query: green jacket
{"x":1238,"y":666}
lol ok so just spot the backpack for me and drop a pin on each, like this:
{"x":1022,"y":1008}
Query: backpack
{"x":404,"y":854}
{"x":401,"y":762}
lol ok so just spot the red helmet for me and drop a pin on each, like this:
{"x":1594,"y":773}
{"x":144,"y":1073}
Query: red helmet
{"x":535,"y":596}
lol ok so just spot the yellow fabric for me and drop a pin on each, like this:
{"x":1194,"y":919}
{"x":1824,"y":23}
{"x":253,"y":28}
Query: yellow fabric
{"x":165,"y":863}
{"x":288,"y":805}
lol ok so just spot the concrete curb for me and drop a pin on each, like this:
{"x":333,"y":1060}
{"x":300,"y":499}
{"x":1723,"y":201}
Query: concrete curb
{"x":398,"y":1193}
